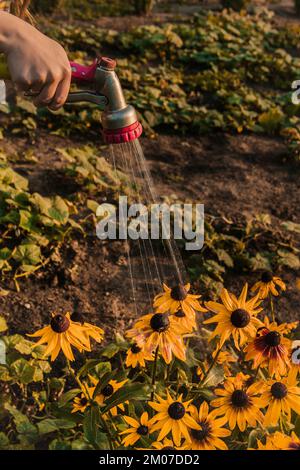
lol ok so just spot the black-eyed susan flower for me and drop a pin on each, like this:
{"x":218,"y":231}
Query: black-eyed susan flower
{"x":279,"y":441}
{"x":62,"y":333}
{"x":267,"y":285}
{"x":138,"y":428}
{"x":177,"y":298}
{"x":208,"y":437}
{"x":107,"y":391}
{"x":173,"y":416}
{"x":280,"y":397}
{"x":235,"y":317}
{"x":283,"y":442}
{"x":224,"y":358}
{"x":159,"y":330}
{"x":167,"y":444}
{"x":186,"y":322}
{"x":136,"y":356}
{"x":270,"y":349}
{"x":81,"y":402}
{"x":237,"y":404}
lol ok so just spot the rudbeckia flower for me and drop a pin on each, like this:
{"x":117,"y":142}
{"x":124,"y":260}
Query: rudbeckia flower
{"x":224,"y":359}
{"x":138,"y":428}
{"x":159,"y":330}
{"x":177,"y":298}
{"x":280,"y":398}
{"x":136,"y":356}
{"x":81,"y":402}
{"x":280,"y":441}
{"x":270,"y":349}
{"x":267,"y":285}
{"x":167,"y":444}
{"x":238,"y":405}
{"x":106,"y":392}
{"x":186,"y":322}
{"x":283,"y":442}
{"x":208,"y":437}
{"x":173,"y":416}
{"x":235,"y":317}
{"x":62,"y":333}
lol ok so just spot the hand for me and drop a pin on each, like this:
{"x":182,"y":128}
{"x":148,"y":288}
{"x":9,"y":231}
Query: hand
{"x":37,"y":64}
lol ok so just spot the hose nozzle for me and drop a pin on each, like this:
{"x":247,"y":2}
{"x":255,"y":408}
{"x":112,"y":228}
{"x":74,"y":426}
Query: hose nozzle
{"x":119,"y":120}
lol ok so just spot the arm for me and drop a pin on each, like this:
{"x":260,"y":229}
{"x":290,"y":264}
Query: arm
{"x":37,"y":64}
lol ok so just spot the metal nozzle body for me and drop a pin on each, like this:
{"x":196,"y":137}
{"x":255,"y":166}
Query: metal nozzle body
{"x":117,"y":114}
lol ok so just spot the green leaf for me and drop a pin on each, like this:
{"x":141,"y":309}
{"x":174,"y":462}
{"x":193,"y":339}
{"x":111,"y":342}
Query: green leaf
{"x":91,"y":425}
{"x":127,"y":392}
{"x":25,"y":372}
{"x":288,"y":259}
{"x":22,"y":423}
{"x":68,"y":396}
{"x":49,"y":425}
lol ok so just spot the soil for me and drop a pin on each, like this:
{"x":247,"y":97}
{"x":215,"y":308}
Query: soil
{"x":231,"y":175}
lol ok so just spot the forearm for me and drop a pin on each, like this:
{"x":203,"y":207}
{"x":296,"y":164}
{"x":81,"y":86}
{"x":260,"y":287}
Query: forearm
{"x":11,"y":30}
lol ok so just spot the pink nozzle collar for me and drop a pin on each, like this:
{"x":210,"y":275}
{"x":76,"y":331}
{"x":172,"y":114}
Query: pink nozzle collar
{"x":125,"y":134}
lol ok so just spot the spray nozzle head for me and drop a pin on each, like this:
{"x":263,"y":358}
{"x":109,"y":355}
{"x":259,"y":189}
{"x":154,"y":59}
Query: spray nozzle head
{"x":119,"y":120}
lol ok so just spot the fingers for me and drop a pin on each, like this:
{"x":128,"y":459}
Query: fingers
{"x":54,"y":92}
{"x":61,"y":94}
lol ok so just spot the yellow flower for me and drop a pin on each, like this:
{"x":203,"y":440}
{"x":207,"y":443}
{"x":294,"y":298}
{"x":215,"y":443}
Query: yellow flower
{"x":268,"y":284}
{"x":208,"y":437}
{"x":235,"y":317}
{"x":62,"y":333}
{"x":177,"y":298}
{"x":270,"y":349}
{"x":224,"y":359}
{"x":173,"y":416}
{"x":136,"y":430}
{"x":237,"y":404}
{"x":167,"y":444}
{"x":185,"y":322}
{"x":157,"y":330}
{"x":82,"y":402}
{"x":137,"y":356}
{"x":107,"y":391}
{"x":280,"y":398}
{"x":280,"y":441}
{"x":283,"y":442}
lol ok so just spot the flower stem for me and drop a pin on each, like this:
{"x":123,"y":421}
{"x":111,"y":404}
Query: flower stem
{"x":211,"y":366}
{"x":272,"y":307}
{"x":154,"y":373}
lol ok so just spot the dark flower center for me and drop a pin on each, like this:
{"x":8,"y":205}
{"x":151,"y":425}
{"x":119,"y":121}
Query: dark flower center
{"x":266,"y":277}
{"x":142,"y":430}
{"x":83,"y":401}
{"x":159,"y":322}
{"x":176,"y":410}
{"x":135,"y":349}
{"x":178,"y":292}
{"x":279,"y":390}
{"x":272,"y":338}
{"x":201,"y":434}
{"x":240,"y":318}
{"x":59,"y":323}
{"x":180,"y":314}
{"x":239,"y":399}
{"x":108,"y":390}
